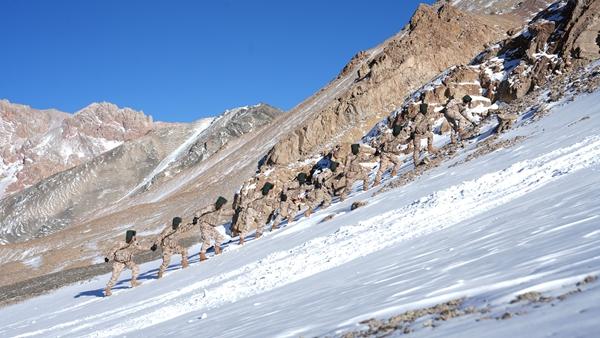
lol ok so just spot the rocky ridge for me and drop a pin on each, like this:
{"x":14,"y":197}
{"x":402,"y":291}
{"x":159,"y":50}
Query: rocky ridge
{"x":39,"y":143}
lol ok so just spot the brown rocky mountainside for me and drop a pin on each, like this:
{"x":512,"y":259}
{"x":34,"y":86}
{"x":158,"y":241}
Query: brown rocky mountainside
{"x":141,"y":184}
{"x":436,"y":38}
{"x":39,"y":143}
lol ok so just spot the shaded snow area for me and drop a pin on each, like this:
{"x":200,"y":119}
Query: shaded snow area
{"x":513,"y":221}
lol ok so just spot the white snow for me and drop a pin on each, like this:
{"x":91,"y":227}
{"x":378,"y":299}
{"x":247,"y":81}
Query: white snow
{"x":516,"y":220}
{"x":199,"y":127}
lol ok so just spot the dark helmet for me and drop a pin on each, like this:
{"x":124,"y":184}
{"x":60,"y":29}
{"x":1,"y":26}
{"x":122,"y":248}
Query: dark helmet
{"x":129,"y":235}
{"x":221,"y":201}
{"x":318,"y":185}
{"x":396,"y":130}
{"x":302,"y":177}
{"x":333,"y":165}
{"x":176,"y":222}
{"x":355,"y":147}
{"x":467,"y":99}
{"x":423,"y":108}
{"x":266,"y":188}
{"x":283,"y":197}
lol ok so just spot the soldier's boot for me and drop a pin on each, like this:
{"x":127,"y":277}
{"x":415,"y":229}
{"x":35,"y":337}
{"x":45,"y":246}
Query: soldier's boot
{"x":134,"y":283}
{"x":377,"y":180}
{"x":365,"y":185}
{"x":431,"y":149}
{"x":242,"y":241}
{"x":202,"y":256}
{"x":184,"y":263}
{"x":107,"y":292}
{"x":394,"y":172}
{"x":161,"y":272}
{"x":453,"y":137}
{"x":217,"y":249}
{"x":308,"y":212}
{"x":275,"y":226}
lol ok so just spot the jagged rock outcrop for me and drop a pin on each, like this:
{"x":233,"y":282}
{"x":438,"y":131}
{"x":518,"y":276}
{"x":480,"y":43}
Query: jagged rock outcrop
{"x":436,"y":38}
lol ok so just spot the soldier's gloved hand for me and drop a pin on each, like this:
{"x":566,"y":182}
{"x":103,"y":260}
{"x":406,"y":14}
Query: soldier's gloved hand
{"x":106,"y":260}
{"x":195,"y":220}
{"x":154,"y":247}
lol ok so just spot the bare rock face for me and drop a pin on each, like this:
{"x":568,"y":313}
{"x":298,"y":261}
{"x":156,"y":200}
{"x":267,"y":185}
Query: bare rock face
{"x":436,"y":38}
{"x":523,"y":8}
{"x":39,"y":143}
{"x":106,"y":120}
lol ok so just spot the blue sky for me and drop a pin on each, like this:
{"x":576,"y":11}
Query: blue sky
{"x":183,"y":60}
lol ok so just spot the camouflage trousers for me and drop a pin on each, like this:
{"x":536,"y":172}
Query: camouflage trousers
{"x":253,"y":220}
{"x":363,"y":176}
{"x":387,"y":160}
{"x":118,"y":267}
{"x":459,"y":124}
{"x":169,"y":251}
{"x":321,"y":197}
{"x":286,"y":211}
{"x":417,"y":145}
{"x":207,"y":235}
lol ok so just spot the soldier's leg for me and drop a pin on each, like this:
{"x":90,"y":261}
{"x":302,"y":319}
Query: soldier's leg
{"x":430,"y":148}
{"x":165,"y":263}
{"x":116,"y":272}
{"x":135,"y":271}
{"x":326,"y":199}
{"x":204,"y":247}
{"x":184,"y":256}
{"x":396,"y":166}
{"x":260,"y":227}
{"x":219,"y":239}
{"x":383,"y":167}
{"x":365,"y":179}
{"x":416,"y":149}
{"x":277,"y":220}
{"x":347,"y":188}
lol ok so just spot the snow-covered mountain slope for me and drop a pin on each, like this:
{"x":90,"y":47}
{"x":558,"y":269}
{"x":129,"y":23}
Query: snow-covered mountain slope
{"x":488,"y":229}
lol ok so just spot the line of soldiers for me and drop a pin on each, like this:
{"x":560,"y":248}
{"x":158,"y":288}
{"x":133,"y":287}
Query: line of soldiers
{"x":269,"y":199}
{"x":169,"y":242}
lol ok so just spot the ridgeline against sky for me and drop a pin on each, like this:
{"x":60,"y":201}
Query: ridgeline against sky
{"x":180,"y":61}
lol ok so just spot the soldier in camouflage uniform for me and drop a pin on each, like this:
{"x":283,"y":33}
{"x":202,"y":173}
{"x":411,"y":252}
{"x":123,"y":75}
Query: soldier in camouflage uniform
{"x":389,"y":151}
{"x":122,"y":257}
{"x":258,"y":212}
{"x":422,"y":129}
{"x":354,"y":170}
{"x":288,"y":207}
{"x":209,"y":218}
{"x":505,"y":121}
{"x":454,"y":114}
{"x":322,"y":193}
{"x":168,"y":240}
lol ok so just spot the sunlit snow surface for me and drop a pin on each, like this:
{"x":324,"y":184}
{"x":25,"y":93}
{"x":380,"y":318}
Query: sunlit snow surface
{"x":519,"y":219}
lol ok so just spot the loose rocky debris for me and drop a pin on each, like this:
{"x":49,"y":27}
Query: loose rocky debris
{"x":532,"y":297}
{"x":327,"y":218}
{"x":434,"y":316}
{"x":587,"y":280}
{"x":358,"y":204}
